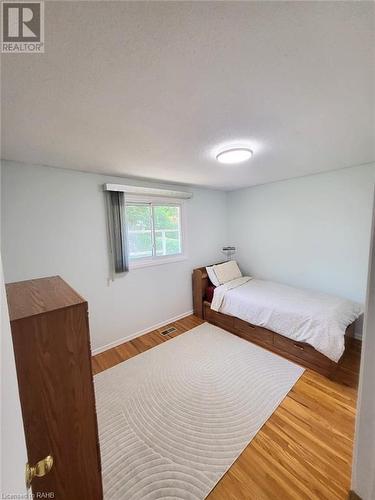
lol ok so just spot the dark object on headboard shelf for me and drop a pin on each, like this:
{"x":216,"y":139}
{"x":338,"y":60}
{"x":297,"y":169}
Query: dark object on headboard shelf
{"x":209,"y":293}
{"x":300,"y":352}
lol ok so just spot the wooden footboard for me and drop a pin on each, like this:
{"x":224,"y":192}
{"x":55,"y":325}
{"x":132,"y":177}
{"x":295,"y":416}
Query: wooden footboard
{"x":300,"y":352}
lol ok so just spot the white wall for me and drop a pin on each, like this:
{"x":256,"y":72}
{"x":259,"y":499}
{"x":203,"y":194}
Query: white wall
{"x":312,"y":232}
{"x":54,"y":222}
{"x":363,"y":478}
{"x":13,"y":446}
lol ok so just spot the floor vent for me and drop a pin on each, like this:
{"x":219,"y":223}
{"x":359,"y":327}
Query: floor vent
{"x":167,"y":331}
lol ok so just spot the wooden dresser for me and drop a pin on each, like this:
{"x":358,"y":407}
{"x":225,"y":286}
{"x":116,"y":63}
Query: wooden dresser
{"x":50,"y":331}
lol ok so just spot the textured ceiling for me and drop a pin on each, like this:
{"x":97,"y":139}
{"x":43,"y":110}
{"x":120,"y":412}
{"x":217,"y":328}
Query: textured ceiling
{"x":152,"y":89}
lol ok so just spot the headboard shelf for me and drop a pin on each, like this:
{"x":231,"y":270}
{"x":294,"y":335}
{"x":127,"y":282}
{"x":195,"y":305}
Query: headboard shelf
{"x":200,"y":283}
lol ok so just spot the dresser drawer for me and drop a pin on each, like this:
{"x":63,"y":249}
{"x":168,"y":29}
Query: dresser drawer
{"x":253,"y":333}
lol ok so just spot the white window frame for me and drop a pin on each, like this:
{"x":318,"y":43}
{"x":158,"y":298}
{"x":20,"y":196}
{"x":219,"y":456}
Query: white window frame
{"x":157,"y":260}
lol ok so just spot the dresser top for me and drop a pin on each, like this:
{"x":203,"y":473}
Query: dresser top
{"x":39,"y":296}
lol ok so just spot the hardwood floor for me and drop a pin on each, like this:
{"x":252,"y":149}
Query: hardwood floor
{"x":304,"y":451}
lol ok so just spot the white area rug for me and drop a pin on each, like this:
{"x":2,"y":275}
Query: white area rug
{"x":173,"y":419}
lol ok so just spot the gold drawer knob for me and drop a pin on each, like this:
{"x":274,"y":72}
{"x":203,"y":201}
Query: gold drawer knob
{"x":40,"y":469}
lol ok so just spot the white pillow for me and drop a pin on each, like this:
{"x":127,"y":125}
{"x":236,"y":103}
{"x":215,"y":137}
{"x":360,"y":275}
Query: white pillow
{"x":227,"y":272}
{"x":212,"y":276}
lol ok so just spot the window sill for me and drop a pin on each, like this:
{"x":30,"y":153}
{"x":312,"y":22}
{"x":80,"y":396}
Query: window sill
{"x":156,"y":262}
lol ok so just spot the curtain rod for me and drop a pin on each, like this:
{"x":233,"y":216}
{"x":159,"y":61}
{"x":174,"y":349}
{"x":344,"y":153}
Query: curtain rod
{"x":167,"y":193}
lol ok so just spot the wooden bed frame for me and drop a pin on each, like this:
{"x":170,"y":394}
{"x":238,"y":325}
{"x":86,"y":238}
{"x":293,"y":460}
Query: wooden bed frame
{"x":300,"y":352}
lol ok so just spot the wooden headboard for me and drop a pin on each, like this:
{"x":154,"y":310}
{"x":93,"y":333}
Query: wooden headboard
{"x":200,"y":284}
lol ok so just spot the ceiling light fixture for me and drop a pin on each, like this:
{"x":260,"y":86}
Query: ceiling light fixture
{"x":234,"y":155}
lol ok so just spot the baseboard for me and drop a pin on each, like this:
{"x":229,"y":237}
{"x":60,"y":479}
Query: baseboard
{"x":353,"y":496}
{"x":118,"y":342}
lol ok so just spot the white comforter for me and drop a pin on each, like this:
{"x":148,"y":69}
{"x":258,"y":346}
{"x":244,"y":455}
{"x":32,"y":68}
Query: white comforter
{"x":306,"y":316}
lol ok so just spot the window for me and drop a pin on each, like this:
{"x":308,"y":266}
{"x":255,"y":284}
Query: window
{"x":154,"y":232}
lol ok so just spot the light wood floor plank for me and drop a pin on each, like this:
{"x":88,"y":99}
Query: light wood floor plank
{"x":304,"y":451}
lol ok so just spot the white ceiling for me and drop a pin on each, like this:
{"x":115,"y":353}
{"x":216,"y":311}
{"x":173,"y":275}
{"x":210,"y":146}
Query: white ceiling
{"x":150,"y":89}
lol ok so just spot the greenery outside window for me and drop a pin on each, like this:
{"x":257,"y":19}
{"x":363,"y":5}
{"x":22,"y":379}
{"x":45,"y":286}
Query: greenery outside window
{"x":154,"y":232}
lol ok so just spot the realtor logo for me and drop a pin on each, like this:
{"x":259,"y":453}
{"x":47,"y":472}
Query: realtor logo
{"x":22,"y":27}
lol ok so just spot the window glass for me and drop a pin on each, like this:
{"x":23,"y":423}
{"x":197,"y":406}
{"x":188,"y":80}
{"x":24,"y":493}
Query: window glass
{"x":167,"y":230}
{"x":154,"y":230}
{"x":139,"y":226}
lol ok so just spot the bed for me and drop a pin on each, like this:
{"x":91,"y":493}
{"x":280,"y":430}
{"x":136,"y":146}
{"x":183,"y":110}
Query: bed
{"x":229,"y":311}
